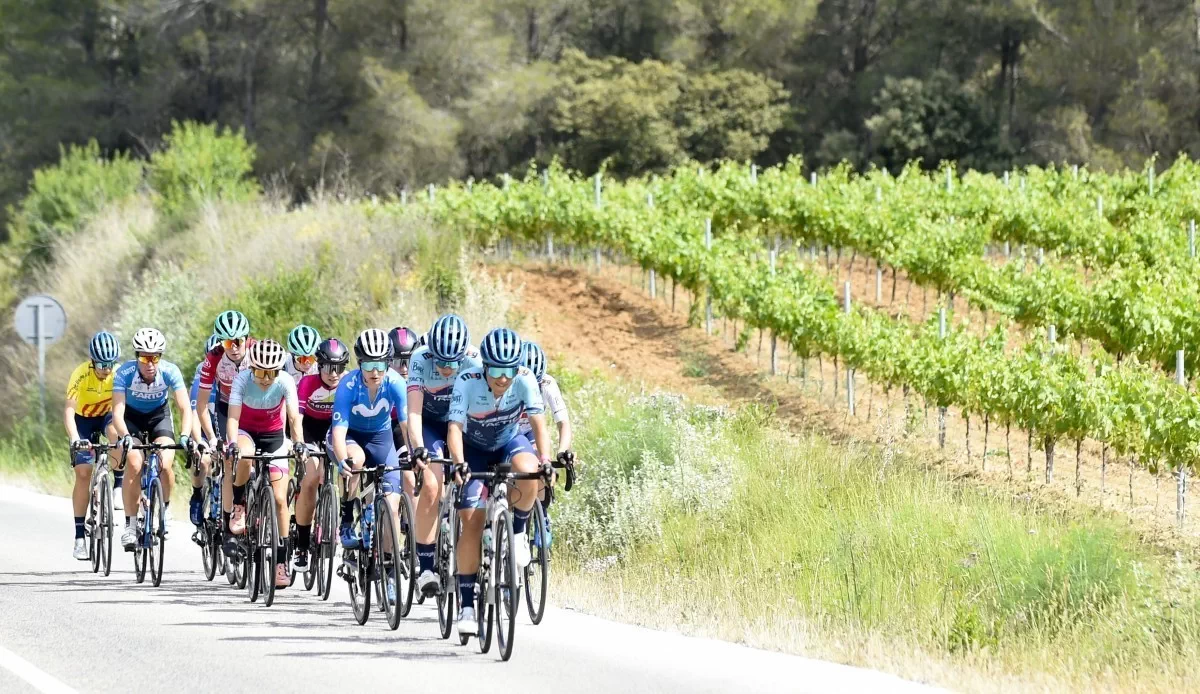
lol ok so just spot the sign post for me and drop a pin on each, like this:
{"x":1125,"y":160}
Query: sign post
{"x":40,"y":321}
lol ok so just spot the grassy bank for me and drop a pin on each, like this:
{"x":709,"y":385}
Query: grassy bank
{"x":715,"y":523}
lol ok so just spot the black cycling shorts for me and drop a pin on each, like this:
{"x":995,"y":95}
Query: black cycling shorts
{"x":148,"y":426}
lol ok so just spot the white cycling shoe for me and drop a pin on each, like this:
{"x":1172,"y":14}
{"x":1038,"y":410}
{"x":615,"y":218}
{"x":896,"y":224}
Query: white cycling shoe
{"x":129,"y":538}
{"x":118,"y":502}
{"x":521,"y":549}
{"x":467,"y":625}
{"x":428,"y":583}
{"x":81,"y":550}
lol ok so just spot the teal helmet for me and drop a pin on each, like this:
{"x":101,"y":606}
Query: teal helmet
{"x":231,"y":325}
{"x":303,"y":341}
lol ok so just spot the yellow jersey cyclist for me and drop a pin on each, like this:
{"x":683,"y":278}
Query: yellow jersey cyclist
{"x":534,"y":359}
{"x":141,"y":415}
{"x":485,"y":415}
{"x":302,"y":343}
{"x":432,"y":372}
{"x":86,"y":415}
{"x":262,"y":404}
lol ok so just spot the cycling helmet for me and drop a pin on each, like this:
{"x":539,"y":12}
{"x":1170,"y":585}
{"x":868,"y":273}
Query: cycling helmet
{"x":448,"y":338}
{"x":303,"y":341}
{"x":372,"y":345}
{"x":104,"y":347}
{"x":213,"y":341}
{"x":267,"y":354}
{"x":500,"y":347}
{"x":423,"y":340}
{"x":149,"y":341}
{"x":333,"y":351}
{"x":231,"y":325}
{"x":404,"y":341}
{"x":534,"y":359}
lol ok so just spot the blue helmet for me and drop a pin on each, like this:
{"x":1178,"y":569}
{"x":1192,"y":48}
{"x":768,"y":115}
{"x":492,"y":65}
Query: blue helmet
{"x":104,"y":347}
{"x":501,"y":347}
{"x":213,"y":341}
{"x":534,"y":359}
{"x":449,"y":338}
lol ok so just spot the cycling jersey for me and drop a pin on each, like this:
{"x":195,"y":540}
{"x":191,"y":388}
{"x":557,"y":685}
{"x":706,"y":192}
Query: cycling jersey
{"x":423,"y":375}
{"x":354,"y":409}
{"x":93,"y":396}
{"x":219,"y":368}
{"x":296,"y":374}
{"x":316,"y":398}
{"x":141,"y":396}
{"x":489,"y":422}
{"x":553,"y":400}
{"x":262,"y":409}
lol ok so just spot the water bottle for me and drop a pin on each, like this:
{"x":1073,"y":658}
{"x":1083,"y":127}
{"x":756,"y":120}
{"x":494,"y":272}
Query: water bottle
{"x":487,"y":546}
{"x":369,"y":516}
{"x":445,"y":527}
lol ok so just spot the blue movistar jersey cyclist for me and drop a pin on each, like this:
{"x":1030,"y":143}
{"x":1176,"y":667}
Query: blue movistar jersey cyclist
{"x":142,"y":396}
{"x":490,"y":423}
{"x":354,"y":409}
{"x":423,"y":374}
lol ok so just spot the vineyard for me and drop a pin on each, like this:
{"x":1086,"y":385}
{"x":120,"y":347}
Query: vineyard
{"x":1115,"y":275}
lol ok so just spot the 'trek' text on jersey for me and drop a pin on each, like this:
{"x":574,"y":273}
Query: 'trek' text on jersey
{"x":353,"y":407}
{"x":146,"y":396}
{"x":490,"y":422}
{"x":423,"y":375}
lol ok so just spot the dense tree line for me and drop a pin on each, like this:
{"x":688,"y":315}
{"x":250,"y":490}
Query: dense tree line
{"x":396,"y":93}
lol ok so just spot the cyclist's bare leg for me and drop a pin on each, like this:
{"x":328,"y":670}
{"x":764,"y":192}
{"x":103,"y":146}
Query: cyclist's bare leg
{"x":82,"y":489}
{"x":306,"y":501}
{"x":133,"y":479}
{"x":358,"y":458}
{"x":167,"y":472}
{"x":525,"y":492}
{"x":279,"y":485}
{"x":467,"y":551}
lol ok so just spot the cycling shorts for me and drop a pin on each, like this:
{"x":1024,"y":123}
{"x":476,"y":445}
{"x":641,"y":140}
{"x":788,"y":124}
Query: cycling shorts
{"x":378,"y":449}
{"x":90,"y":429}
{"x":270,"y":443}
{"x":480,"y":460}
{"x":315,"y":430}
{"x":148,"y":426}
{"x":433,"y":433}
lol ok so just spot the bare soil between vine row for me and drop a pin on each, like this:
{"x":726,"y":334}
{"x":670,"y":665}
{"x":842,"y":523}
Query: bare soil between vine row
{"x":607,"y":322}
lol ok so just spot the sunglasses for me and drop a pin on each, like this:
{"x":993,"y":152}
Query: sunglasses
{"x":333,"y":368}
{"x":502,"y":372}
{"x":373,"y":366}
{"x":399,"y":362}
{"x":230,"y":344}
{"x":305,"y":362}
{"x":103,"y":364}
{"x":265,"y":373}
{"x":447,"y":364}
{"x":149,"y":358}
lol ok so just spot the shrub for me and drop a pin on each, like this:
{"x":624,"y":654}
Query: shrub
{"x":63,"y":196}
{"x":201,"y":163}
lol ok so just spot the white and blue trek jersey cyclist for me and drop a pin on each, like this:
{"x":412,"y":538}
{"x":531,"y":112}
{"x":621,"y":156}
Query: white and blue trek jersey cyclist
{"x":491,"y":424}
{"x":423,"y":374}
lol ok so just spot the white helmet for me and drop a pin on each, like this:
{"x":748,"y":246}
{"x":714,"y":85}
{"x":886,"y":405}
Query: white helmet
{"x":267,"y":354}
{"x":149,"y":341}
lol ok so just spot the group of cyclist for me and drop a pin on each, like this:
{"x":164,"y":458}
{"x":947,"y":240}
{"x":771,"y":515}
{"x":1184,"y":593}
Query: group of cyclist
{"x":423,"y":397}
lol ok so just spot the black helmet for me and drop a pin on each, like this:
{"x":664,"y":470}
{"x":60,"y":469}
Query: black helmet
{"x":404,"y":341}
{"x":333,"y":351}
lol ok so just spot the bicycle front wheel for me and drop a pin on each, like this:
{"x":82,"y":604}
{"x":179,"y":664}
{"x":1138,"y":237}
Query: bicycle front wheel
{"x":323,"y":542}
{"x":537,"y":574}
{"x":447,"y":588}
{"x":94,"y":516}
{"x":268,"y":544}
{"x":387,"y":558}
{"x":208,"y":549}
{"x":156,"y":526}
{"x":506,"y":592}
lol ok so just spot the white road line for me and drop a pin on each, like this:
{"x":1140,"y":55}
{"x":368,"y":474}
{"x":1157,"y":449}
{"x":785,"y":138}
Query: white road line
{"x":41,"y":681}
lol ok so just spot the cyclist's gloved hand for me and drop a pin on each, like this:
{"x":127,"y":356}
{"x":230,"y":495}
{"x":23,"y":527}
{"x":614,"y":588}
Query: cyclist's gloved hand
{"x":79,"y":445}
{"x":421,"y":453}
{"x":232,"y":450}
{"x":461,"y":470}
{"x":202,"y":446}
{"x":126,"y":442}
{"x":185,"y":441}
{"x":566,"y":458}
{"x":346,"y":466}
{"x":299,"y":450}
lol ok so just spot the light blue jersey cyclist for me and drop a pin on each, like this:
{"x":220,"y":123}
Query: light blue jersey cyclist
{"x":491,"y":424}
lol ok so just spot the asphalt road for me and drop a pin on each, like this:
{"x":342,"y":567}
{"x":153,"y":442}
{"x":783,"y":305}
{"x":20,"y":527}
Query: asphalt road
{"x":64,"y":629}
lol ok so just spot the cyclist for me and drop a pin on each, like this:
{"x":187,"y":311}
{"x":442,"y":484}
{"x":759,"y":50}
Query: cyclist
{"x":221,"y":365}
{"x":316,"y":394}
{"x":361,"y":435}
{"x":200,"y":470}
{"x":534,"y":359}
{"x":404,"y":341}
{"x":432,"y":372}
{"x":258,"y":402}
{"x":302,"y":344}
{"x":87,"y":414}
{"x":485,"y":415}
{"x":141,"y":414}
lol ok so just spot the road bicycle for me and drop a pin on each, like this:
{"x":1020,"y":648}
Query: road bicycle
{"x":537,"y":572}
{"x":98,"y":521}
{"x":151,"y":521}
{"x":382,"y":557}
{"x":323,"y":538}
{"x":446,"y":542}
{"x":212,"y":527}
{"x":258,"y":549}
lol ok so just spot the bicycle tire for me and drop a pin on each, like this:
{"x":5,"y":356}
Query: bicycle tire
{"x":387,"y":528}
{"x":448,"y":588}
{"x":360,"y":579}
{"x":105,"y":526}
{"x":407,"y":567}
{"x":140,"y":556}
{"x":539,"y":566}
{"x":208,"y":551}
{"x":506,"y":595}
{"x":324,"y":534}
{"x":251,"y":566}
{"x":268,"y":545}
{"x":291,"y":502}
{"x":483,"y":598}
{"x":156,"y":527}
{"x":91,"y":522}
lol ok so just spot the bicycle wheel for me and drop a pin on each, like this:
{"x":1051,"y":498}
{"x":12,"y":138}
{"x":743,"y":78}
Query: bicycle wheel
{"x":386,"y":555}
{"x":141,"y":557}
{"x":406,"y":571}
{"x":358,"y":572}
{"x":208,"y":550}
{"x":324,"y":544}
{"x":292,"y":490}
{"x":537,"y":574}
{"x":156,"y":526}
{"x":105,"y":527}
{"x":484,"y":596}
{"x":92,"y":520}
{"x":448,"y":585}
{"x":268,"y":545}
{"x":251,"y":566}
{"x":506,"y":593}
